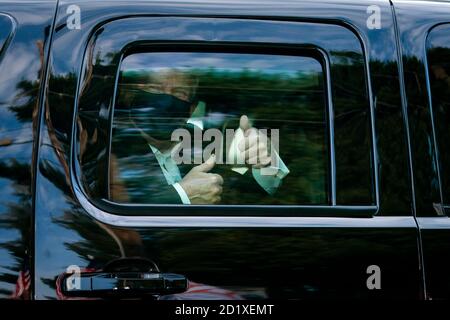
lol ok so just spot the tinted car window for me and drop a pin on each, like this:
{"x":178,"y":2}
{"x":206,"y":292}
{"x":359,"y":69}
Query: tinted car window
{"x":125,"y":109}
{"x":204,"y":94}
{"x":438,"y":54}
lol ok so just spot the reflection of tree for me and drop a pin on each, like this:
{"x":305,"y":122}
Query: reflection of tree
{"x":95,"y":243}
{"x":18,"y":208}
{"x":18,"y":175}
{"x":17,"y":217}
{"x":18,"y":211}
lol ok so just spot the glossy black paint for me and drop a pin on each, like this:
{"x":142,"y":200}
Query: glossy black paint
{"x":414,"y":28}
{"x":24,"y":37}
{"x":125,"y":285}
{"x":316,"y":262}
{"x":318,"y":257}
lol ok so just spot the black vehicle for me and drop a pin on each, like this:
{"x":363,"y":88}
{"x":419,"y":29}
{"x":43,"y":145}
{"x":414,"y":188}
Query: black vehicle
{"x":354,"y":95}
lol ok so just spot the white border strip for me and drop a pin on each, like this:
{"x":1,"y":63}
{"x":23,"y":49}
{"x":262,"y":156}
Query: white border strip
{"x":434,"y":223}
{"x":243,"y":221}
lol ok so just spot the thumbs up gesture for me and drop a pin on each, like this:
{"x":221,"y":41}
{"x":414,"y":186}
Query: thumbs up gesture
{"x":201,"y":186}
{"x":255,"y":145}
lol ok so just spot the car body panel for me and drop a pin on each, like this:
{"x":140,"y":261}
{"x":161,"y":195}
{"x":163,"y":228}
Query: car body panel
{"x":24,"y":39}
{"x":430,"y":209}
{"x":315,"y":258}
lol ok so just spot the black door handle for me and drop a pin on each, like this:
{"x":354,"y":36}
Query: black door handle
{"x":122,"y":284}
{"x":123,"y":278}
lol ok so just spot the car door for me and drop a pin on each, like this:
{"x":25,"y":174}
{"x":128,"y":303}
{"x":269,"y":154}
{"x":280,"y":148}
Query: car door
{"x":335,"y":218}
{"x":426,"y":60}
{"x":25,"y":30}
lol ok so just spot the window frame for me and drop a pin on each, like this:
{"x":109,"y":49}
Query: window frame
{"x":117,"y":211}
{"x":187,"y":47}
{"x":9,"y":26}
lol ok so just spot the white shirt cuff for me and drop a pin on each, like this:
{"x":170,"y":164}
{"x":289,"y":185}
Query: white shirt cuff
{"x":183,"y":195}
{"x":269,"y":178}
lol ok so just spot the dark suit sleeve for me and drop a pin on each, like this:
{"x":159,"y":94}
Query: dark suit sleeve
{"x":143,"y":181}
{"x":166,"y":194}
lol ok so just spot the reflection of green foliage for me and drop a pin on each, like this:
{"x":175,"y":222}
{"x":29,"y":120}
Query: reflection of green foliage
{"x":17,"y":217}
{"x":16,"y":213}
{"x":29,"y":93}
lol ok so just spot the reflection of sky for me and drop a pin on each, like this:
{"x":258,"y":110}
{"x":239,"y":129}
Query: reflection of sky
{"x":20,"y":62}
{"x":439,"y":37}
{"x":9,"y":196}
{"x":271,"y":64}
{"x":6,"y":28}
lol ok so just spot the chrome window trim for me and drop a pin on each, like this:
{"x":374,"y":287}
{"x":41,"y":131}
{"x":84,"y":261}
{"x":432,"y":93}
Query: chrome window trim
{"x":429,"y":223}
{"x":10,"y":36}
{"x":242,"y":221}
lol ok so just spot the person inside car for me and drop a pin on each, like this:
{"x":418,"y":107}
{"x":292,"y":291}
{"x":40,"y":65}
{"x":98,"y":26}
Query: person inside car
{"x":161,"y":106}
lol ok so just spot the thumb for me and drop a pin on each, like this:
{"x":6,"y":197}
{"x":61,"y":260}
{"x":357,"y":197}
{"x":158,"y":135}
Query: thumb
{"x":244,"y":123}
{"x":207,"y":165}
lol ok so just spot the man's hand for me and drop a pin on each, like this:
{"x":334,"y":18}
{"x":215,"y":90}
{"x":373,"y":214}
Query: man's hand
{"x":203,"y":187}
{"x":255,"y":145}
